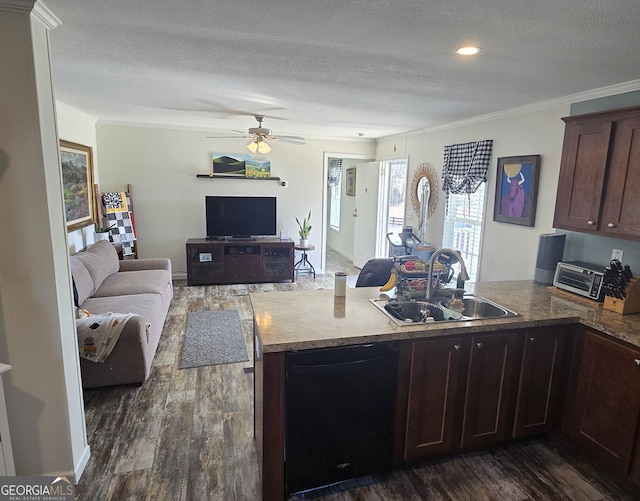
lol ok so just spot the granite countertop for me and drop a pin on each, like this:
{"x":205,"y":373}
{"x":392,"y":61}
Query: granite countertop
{"x":298,"y":320}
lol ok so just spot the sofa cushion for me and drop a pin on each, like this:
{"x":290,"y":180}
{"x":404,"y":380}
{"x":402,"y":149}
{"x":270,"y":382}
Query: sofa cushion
{"x":101,"y":260}
{"x":134,"y":282}
{"x":148,"y":306}
{"x":81,"y":279}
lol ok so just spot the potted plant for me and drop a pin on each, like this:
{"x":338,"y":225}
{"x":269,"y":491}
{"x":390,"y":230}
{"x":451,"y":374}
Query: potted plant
{"x":304,"y":230}
{"x":102,"y":233}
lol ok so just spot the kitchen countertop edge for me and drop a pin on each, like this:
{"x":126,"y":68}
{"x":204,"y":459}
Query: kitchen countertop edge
{"x":311,"y":319}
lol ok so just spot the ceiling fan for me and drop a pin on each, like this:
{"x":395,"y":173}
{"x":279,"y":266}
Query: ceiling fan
{"x":260,"y":135}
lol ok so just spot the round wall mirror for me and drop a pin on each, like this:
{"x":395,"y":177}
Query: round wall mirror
{"x":424,"y":190}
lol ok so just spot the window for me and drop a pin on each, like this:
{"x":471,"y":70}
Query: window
{"x":463,"y":228}
{"x":396,"y":172}
{"x":335,"y":192}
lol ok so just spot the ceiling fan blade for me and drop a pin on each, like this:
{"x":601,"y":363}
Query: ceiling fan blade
{"x":285,"y":140}
{"x":227,"y":137}
{"x":297,"y":138}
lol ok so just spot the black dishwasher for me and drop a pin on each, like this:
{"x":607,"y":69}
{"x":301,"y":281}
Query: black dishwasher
{"x":340,"y":405}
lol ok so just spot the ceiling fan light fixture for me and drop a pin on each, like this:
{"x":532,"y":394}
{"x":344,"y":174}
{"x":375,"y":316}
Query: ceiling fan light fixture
{"x":252,"y":146}
{"x":263,"y":147}
{"x":468,"y":50}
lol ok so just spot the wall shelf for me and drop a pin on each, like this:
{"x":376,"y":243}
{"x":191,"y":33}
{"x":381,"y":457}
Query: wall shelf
{"x":226,"y":176}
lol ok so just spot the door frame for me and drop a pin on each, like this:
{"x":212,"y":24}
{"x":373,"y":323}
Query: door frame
{"x":325,"y":193}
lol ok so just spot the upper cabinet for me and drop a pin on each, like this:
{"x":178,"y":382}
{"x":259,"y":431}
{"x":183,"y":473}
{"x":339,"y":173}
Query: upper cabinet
{"x":600,"y":174}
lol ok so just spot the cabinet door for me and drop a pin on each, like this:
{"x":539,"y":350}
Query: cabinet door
{"x":204,"y":264}
{"x":541,"y":380}
{"x":278,"y":262}
{"x":491,"y":383}
{"x":582,"y":173}
{"x":606,"y":403}
{"x":621,"y":206}
{"x":433,"y":385}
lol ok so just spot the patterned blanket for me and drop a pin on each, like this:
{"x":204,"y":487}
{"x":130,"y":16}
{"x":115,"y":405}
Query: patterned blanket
{"x":98,"y":334}
{"x":119,"y":218}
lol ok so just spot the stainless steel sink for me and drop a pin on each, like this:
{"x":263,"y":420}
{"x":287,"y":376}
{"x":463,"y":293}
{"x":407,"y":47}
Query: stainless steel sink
{"x":479,"y":307}
{"x":412,"y":312}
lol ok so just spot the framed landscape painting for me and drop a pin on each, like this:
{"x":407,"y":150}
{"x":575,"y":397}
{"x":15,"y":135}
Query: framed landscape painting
{"x":517,"y":190}
{"x":77,"y":180}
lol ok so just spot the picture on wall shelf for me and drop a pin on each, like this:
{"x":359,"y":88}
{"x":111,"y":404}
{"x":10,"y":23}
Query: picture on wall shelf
{"x":258,"y":169}
{"x":77,"y":180}
{"x":517,"y":190}
{"x":351,"y":182}
{"x":229,"y":164}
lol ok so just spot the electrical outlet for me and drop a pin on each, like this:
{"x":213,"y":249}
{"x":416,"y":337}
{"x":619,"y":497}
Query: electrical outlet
{"x":617,"y":254}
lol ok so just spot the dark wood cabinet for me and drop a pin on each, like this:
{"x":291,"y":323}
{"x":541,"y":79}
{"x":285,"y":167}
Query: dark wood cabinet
{"x":435,"y":378}
{"x":225,"y":262}
{"x":600,"y":174}
{"x":542,"y":380}
{"x":582,"y":170}
{"x":621,"y":206}
{"x":604,"y":406}
{"x":491,"y":383}
{"x":466,"y":392}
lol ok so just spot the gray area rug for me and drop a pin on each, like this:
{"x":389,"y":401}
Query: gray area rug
{"x":213,"y":337}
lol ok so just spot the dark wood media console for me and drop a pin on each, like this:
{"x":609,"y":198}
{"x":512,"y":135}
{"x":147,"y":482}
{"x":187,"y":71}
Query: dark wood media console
{"x":212,"y":262}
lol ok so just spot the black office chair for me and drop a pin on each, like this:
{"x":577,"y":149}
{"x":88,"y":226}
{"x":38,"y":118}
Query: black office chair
{"x":375,"y":272}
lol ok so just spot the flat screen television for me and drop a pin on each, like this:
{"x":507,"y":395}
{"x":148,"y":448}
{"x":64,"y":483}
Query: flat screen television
{"x":240,"y":217}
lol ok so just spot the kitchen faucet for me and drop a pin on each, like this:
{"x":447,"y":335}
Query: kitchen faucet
{"x":462,"y":276}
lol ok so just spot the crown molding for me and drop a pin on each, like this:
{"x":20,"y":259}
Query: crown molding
{"x":75,"y":111}
{"x":39,"y":10}
{"x":46,"y":16}
{"x":611,"y":90}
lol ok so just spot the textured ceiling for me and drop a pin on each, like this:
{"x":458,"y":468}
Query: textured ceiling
{"x":333,"y":68}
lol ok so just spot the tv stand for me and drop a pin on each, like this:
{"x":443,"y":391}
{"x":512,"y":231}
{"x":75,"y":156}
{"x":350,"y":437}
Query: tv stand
{"x":213,"y":262}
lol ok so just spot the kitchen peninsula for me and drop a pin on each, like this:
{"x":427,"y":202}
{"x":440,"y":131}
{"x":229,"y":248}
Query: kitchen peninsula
{"x":549,"y":326}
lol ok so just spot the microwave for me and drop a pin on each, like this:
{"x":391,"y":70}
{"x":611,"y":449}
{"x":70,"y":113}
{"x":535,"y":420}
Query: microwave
{"x":581,"y":278}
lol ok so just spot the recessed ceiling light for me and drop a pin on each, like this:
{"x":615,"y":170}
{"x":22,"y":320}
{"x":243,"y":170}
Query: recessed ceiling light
{"x":468,"y":51}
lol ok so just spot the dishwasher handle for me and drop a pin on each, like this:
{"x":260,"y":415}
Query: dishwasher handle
{"x":328,"y":368}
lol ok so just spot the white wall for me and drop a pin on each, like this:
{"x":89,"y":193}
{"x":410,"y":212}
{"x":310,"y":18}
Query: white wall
{"x":162,"y":164}
{"x":37,"y":328}
{"x":508,"y":251}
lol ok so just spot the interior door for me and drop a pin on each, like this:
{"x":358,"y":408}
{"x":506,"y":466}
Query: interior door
{"x":365,"y":232}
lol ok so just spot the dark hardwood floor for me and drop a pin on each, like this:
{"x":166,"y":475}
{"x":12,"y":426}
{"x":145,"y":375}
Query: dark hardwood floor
{"x":187,"y":434}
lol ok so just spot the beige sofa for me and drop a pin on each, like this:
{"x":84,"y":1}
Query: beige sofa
{"x":104,"y":284}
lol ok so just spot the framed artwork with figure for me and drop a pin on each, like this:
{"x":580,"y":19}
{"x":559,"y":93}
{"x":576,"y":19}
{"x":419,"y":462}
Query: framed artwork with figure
{"x":517,"y":190}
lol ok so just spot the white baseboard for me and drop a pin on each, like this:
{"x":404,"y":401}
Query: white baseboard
{"x":338,"y":251}
{"x":84,"y":459}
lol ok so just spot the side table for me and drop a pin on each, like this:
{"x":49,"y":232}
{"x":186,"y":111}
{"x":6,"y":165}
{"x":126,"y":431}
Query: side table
{"x":304,"y":266}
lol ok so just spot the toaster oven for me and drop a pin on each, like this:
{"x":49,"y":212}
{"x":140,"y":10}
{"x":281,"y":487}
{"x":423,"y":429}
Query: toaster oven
{"x":581,"y":278}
